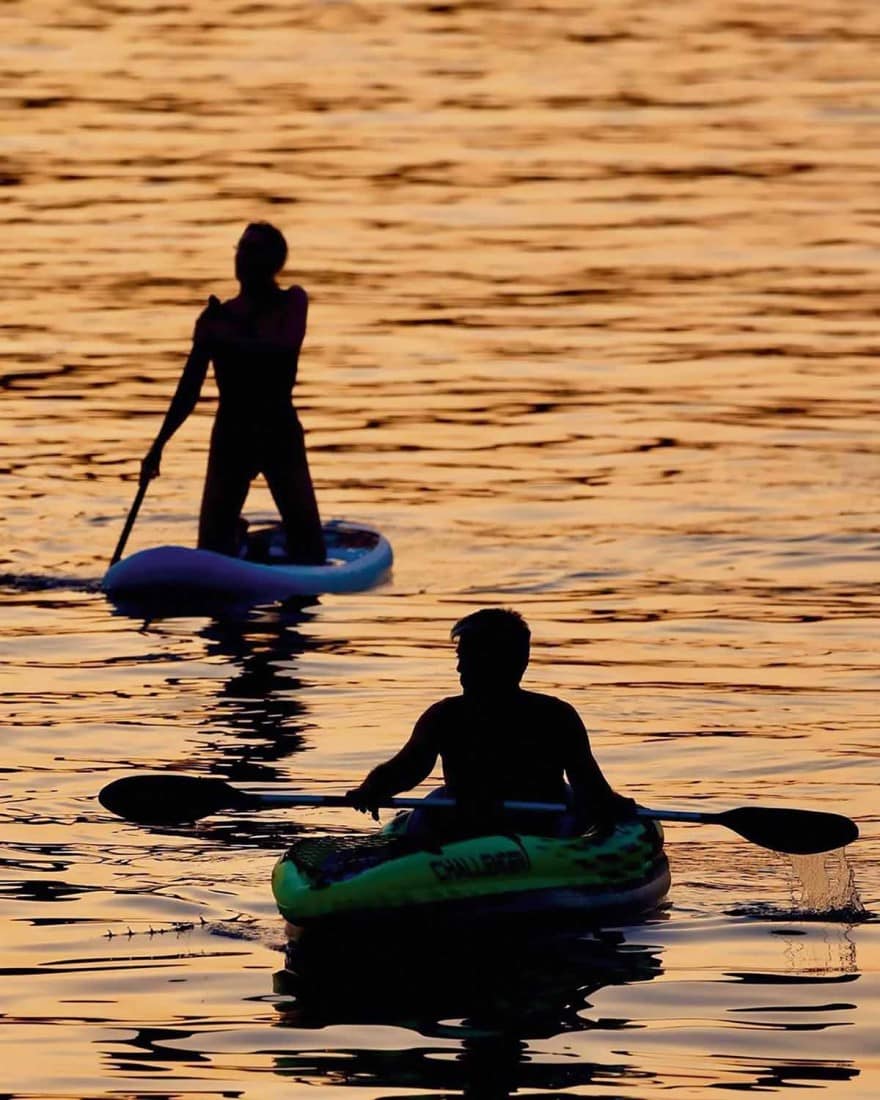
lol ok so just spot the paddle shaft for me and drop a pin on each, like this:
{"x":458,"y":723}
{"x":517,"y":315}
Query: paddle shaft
{"x":793,"y":831}
{"x":279,"y":800}
{"x":129,"y":522}
{"x":681,"y":815}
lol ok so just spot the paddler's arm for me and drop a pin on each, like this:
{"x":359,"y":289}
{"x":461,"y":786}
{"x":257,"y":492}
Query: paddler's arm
{"x":407,"y":768}
{"x":185,"y":397}
{"x":594,"y":799}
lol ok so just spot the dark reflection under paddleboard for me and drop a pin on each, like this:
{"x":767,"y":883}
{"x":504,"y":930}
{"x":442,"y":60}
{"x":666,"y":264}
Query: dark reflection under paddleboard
{"x":253,"y":717}
{"x":260,"y":703}
{"x":151,"y":606}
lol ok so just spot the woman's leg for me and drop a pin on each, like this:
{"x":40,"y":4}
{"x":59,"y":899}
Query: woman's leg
{"x":226,"y":487}
{"x":286,"y":470}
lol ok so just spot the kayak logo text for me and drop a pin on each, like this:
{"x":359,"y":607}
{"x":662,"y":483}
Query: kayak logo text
{"x":479,"y":866}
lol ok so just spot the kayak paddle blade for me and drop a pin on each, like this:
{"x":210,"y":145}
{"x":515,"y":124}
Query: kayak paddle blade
{"x":169,"y":799}
{"x":796,"y":832}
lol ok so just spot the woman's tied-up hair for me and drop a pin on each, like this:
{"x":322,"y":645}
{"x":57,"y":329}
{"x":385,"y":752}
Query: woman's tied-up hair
{"x":265,"y":247}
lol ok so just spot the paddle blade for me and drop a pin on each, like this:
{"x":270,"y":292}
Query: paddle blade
{"x":798,"y":832}
{"x":169,"y":799}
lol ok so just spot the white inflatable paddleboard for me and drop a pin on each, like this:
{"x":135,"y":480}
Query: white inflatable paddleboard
{"x":357,"y":558}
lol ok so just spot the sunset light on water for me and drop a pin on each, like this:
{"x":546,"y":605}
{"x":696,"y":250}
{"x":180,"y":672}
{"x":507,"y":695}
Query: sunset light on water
{"x":592,"y":335}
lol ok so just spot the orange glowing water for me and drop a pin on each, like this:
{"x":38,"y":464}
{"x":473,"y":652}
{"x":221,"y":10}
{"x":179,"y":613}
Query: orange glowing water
{"x":593,"y":335}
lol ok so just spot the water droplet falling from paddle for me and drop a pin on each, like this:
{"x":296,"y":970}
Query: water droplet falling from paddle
{"x":825,"y":884}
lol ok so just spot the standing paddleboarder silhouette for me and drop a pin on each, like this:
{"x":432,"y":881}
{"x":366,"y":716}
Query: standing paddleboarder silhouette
{"x":253,"y":340}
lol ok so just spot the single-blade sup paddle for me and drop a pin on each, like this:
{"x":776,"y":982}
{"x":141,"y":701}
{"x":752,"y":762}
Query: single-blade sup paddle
{"x":129,"y":521}
{"x":177,"y":799}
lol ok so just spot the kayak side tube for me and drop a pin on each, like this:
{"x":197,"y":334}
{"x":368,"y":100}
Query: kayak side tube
{"x":494,"y":873}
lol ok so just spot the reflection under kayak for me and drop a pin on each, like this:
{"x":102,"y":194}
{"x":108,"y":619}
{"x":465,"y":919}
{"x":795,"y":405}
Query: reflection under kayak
{"x":485,"y":997}
{"x":471,"y":987}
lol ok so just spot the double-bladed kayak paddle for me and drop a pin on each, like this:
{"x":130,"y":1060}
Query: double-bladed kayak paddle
{"x":179,"y":799}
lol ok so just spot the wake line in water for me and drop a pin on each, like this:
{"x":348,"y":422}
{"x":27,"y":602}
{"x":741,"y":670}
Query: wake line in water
{"x":38,"y":582}
{"x":766,"y":911}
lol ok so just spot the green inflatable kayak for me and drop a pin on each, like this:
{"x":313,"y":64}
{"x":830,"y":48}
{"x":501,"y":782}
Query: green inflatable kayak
{"x":321,"y":881}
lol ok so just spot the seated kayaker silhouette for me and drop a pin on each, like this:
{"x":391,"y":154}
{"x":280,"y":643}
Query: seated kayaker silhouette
{"x":254,"y":341}
{"x":497,"y":742}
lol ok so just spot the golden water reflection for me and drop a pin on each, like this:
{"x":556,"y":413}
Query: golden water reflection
{"x":592,"y":335}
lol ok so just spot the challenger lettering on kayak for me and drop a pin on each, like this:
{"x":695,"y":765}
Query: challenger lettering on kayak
{"x":480,"y":865}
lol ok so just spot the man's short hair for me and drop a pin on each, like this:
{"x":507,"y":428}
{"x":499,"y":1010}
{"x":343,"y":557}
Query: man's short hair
{"x":499,"y":628}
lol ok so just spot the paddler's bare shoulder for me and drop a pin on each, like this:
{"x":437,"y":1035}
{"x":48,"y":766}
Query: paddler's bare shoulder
{"x":293,"y":298}
{"x":231,"y":307}
{"x":442,"y":714}
{"x":296,"y":295}
{"x":550,"y":706}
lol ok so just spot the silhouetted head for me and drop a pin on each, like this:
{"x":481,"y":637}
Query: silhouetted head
{"x":493,"y":649}
{"x":260,"y":255}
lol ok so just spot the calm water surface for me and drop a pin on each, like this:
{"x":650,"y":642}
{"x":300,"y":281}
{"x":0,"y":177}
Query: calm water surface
{"x":593,"y":335}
